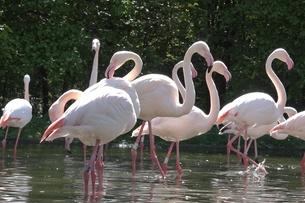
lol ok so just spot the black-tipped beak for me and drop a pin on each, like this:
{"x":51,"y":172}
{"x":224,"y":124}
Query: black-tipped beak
{"x":210,"y":68}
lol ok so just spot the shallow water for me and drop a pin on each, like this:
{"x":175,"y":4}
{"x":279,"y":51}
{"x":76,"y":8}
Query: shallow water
{"x":44,"y":173}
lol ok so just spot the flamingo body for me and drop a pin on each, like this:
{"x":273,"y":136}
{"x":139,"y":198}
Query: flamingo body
{"x":18,"y":109}
{"x":102,"y":112}
{"x":158,"y":95}
{"x":250,"y":109}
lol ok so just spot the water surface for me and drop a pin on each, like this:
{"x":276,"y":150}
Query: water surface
{"x":45,"y":173}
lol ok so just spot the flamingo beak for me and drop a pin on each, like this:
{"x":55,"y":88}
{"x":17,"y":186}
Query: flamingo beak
{"x":52,"y":128}
{"x":290,"y":63}
{"x":110,"y":71}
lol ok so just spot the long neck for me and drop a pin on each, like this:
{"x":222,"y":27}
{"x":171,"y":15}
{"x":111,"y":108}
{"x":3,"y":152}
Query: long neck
{"x":93,"y":77}
{"x":280,"y":89}
{"x":67,"y":96}
{"x":177,"y":81}
{"x":26,"y":91}
{"x":214,"y":99}
{"x":136,"y":69}
{"x":189,"y":100}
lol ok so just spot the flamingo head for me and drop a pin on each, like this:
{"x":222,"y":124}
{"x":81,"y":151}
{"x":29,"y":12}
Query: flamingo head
{"x":203,"y":50}
{"x":96,"y":45}
{"x":282,"y":55}
{"x":229,"y":128}
{"x":26,"y":78}
{"x":221,"y":68}
{"x":117,"y":60}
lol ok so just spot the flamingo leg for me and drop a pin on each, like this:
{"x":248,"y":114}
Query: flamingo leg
{"x":134,"y":149}
{"x":241,"y":154}
{"x":90,"y":167}
{"x":247,"y":146}
{"x":16,"y":143}
{"x":178,"y":166}
{"x":164,"y":165}
{"x":153,"y":154}
{"x":99,"y":165}
{"x":4,"y":140}
{"x":238,"y":147}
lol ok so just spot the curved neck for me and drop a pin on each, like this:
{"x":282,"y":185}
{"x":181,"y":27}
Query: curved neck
{"x":67,"y":96}
{"x":280,"y":89}
{"x":189,"y":100}
{"x":26,"y":91}
{"x":136,"y":69}
{"x":93,"y":77}
{"x":177,"y":81}
{"x":214,"y":99}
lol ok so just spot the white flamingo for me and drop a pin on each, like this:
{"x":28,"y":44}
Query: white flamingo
{"x":102,"y":112}
{"x":196,"y":122}
{"x":17,"y":113}
{"x":257,"y":108}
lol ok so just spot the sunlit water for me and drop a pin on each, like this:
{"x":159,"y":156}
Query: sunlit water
{"x":44,"y":173}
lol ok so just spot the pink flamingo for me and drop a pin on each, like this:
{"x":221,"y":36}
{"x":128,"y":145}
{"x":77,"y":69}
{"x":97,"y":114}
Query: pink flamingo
{"x":102,"y":112}
{"x":255,"y":132}
{"x":161,"y":88}
{"x":17,"y":113}
{"x":196,"y":122}
{"x":257,"y":108}
{"x":294,"y":126}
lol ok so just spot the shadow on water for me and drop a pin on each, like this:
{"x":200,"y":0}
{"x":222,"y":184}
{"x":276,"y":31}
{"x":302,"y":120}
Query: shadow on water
{"x":44,"y":173}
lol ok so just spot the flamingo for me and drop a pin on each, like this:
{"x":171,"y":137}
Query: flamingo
{"x":102,"y":112}
{"x":17,"y":113}
{"x":258,"y":108}
{"x":255,"y":132}
{"x":161,"y":88}
{"x":196,"y":122}
{"x":57,"y":108}
{"x":294,"y":126}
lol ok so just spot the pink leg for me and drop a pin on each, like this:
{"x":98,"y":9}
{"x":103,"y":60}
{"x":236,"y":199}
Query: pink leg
{"x":16,"y":143}
{"x":238,"y":147}
{"x":153,"y":154}
{"x":238,"y":152}
{"x":4,"y":140}
{"x":99,"y":165}
{"x":134,"y":149}
{"x":247,"y":145}
{"x":178,"y":166}
{"x":164,"y":165}
{"x":90,"y":168}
